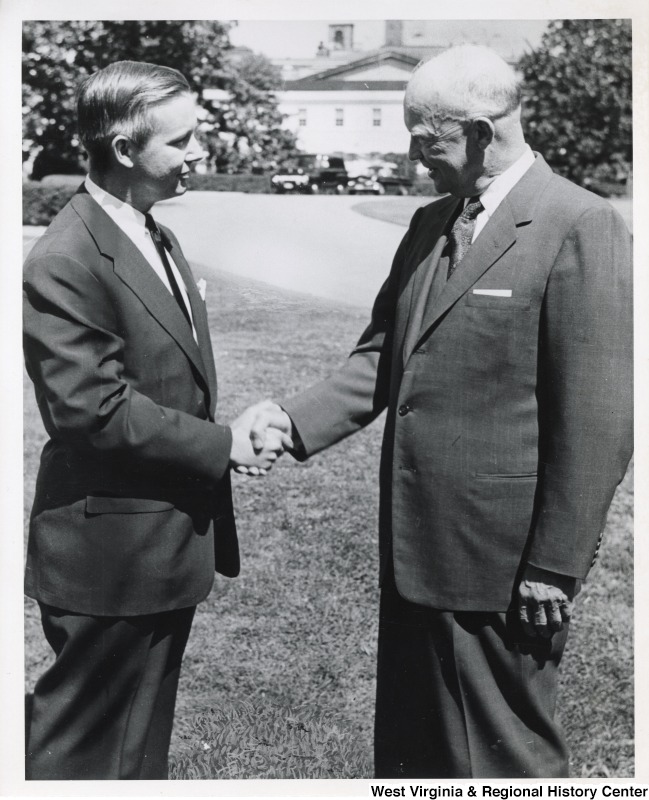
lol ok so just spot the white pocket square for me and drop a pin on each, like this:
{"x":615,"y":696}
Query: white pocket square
{"x":494,"y":292}
{"x":201,"y":285}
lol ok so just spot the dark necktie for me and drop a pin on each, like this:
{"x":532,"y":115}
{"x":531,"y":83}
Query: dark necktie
{"x":156,"y":238}
{"x":462,"y":233}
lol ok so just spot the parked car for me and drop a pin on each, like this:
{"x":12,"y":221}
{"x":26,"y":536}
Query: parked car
{"x":289,"y":180}
{"x":364,"y":184}
{"x":312,"y":173}
{"x":395,"y":184}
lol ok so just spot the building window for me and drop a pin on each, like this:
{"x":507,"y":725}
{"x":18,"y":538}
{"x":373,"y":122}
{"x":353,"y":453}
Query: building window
{"x":340,"y":118}
{"x":376,"y":117}
{"x":341,"y":37}
{"x":301,"y":117}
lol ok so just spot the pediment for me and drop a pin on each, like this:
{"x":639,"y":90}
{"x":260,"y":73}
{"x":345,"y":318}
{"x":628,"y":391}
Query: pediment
{"x":379,"y":66}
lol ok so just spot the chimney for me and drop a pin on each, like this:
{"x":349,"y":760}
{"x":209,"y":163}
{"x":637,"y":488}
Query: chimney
{"x":393,"y":33}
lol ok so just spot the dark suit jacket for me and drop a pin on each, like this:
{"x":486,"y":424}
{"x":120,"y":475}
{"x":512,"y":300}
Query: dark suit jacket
{"x":133,"y":486}
{"x":509,"y":419}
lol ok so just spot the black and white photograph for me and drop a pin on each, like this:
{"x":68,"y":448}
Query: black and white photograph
{"x":326,"y":348}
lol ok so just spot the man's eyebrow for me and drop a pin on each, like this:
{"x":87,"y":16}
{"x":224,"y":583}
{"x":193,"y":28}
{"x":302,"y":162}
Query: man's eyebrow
{"x":422,"y":134}
{"x":177,"y":137}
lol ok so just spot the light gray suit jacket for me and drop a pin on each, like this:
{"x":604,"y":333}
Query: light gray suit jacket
{"x":509,"y":419}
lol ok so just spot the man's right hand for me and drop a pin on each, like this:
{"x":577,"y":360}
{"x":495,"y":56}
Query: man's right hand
{"x":256,"y":460}
{"x":268,"y":416}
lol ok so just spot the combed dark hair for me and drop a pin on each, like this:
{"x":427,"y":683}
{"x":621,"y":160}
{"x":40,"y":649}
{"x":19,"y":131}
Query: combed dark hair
{"x":117,"y":99}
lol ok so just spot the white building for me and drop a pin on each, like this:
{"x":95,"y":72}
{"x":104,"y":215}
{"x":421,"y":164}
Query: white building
{"x":346,"y":101}
{"x":354,"y":108}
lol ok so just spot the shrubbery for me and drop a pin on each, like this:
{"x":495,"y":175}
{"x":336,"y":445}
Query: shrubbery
{"x":41,"y":203}
{"x":268,"y":741}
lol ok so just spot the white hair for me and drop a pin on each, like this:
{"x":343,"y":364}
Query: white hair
{"x":463,"y":82}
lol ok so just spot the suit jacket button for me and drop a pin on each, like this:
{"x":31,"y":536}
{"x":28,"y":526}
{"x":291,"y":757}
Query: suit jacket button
{"x":404,"y":409}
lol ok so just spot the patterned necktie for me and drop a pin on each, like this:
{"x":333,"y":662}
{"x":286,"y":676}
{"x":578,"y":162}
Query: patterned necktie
{"x":462,"y":233}
{"x":156,"y":238}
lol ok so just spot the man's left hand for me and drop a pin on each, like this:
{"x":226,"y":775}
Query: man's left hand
{"x":545,"y":601}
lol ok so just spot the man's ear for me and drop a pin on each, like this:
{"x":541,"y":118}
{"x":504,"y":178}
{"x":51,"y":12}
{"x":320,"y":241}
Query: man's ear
{"x":482,"y":131}
{"x":122,"y":148}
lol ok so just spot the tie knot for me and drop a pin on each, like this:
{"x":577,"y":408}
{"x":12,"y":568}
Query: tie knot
{"x":150,"y":225}
{"x":461,"y":233}
{"x":472,"y":208}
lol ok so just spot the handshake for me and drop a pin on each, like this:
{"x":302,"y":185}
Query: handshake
{"x":259,"y":437}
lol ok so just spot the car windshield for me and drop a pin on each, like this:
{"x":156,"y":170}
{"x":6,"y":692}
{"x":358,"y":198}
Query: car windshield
{"x":311,"y":162}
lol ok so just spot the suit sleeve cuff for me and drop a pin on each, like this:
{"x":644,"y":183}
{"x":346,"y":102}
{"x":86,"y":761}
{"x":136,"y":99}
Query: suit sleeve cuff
{"x":298,"y":451}
{"x":222,"y":448}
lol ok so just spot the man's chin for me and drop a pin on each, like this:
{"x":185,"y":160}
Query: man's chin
{"x":182,"y":185}
{"x":438,"y":181}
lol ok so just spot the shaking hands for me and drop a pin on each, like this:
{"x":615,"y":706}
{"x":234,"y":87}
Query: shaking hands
{"x":259,"y":437}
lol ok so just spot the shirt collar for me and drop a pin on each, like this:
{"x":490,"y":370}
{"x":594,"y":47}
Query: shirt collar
{"x":497,"y":190}
{"x":122,"y":213}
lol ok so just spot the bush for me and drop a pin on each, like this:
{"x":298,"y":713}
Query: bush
{"x":220,"y":182}
{"x":60,"y":181}
{"x":268,"y":741}
{"x":606,"y":188}
{"x":42,"y":203}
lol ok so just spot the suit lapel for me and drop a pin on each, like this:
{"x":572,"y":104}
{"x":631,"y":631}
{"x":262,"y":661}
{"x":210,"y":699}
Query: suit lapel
{"x":496,"y":238}
{"x":421,"y":289}
{"x":134,"y":270}
{"x":426,"y":249}
{"x":199,"y":312}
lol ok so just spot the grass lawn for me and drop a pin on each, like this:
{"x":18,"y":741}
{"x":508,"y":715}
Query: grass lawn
{"x":291,"y":643}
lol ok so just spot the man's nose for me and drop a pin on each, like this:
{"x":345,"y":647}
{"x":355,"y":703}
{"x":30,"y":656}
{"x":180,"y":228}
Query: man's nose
{"x":194,"y":152}
{"x":414,"y":153}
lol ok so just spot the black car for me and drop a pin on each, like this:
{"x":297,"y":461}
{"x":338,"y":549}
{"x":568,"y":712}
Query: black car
{"x":312,"y":173}
{"x":364,"y":184}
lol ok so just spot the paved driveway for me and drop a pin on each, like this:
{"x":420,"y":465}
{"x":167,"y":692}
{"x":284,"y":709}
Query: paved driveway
{"x":317,"y":245}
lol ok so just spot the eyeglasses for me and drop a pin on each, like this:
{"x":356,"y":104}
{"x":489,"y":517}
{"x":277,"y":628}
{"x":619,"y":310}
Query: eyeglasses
{"x":429,"y":140}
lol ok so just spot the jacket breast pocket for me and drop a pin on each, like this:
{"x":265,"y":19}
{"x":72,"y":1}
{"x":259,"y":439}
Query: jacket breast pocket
{"x":125,"y":505}
{"x":498,"y":303}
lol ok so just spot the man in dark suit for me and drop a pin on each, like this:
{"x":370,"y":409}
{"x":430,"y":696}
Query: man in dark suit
{"x":133,"y":511}
{"x":500,"y":345}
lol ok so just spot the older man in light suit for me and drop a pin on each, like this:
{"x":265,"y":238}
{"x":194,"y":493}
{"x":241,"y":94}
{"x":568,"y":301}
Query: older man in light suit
{"x":500,"y":345}
{"x":133,"y":510}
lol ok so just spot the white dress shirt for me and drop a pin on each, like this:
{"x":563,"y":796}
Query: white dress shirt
{"x":131,"y":222}
{"x":495,"y":193}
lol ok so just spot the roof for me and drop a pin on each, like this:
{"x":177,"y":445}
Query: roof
{"x":374,"y":58}
{"x":364,"y":73}
{"x":349,"y":76}
{"x":309,"y":85}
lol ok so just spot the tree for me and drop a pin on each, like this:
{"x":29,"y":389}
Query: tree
{"x":245,"y":131}
{"x":58,"y":55}
{"x":53,"y":61}
{"x":577,"y":107}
